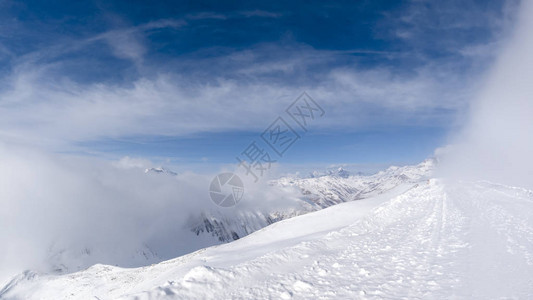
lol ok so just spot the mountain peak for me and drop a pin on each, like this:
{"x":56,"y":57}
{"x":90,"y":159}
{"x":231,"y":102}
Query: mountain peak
{"x":160,"y":170}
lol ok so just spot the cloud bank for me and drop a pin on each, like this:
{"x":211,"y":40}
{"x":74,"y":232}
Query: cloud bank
{"x":65,"y":212}
{"x":497,"y":143}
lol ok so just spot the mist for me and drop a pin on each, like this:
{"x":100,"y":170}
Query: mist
{"x":58,"y":209}
{"x":496,"y":144}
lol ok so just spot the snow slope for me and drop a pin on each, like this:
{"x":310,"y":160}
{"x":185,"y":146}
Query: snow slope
{"x":431,"y":240}
{"x":316,"y":193}
{"x":178,"y":217}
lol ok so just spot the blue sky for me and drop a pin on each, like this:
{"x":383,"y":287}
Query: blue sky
{"x":192,"y":83}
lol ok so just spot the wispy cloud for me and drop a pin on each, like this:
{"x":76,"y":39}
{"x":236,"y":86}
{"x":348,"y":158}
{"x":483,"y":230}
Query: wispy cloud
{"x":261,"y":13}
{"x":239,"y":14}
{"x":218,"y":89}
{"x":38,"y":106}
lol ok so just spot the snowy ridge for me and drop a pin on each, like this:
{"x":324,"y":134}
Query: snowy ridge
{"x":433,"y":240}
{"x":327,"y":190}
{"x":160,"y":170}
{"x":66,"y":259}
{"x":317,"y":193}
{"x":213,"y":227}
{"x":227,"y":229}
{"x":340,"y":172}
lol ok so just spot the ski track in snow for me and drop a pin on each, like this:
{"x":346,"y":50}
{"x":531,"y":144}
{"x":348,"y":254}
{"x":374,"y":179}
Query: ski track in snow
{"x":434,"y":241}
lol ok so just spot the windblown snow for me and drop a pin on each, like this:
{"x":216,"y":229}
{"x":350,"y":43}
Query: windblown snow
{"x":427,"y":239}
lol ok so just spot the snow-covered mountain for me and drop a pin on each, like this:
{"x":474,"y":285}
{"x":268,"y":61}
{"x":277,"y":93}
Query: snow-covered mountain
{"x":63,"y":259}
{"x":326,"y":190}
{"x":428,"y":240}
{"x":211,"y":226}
{"x":160,"y":170}
{"x":340,"y":172}
{"x":316,"y":193}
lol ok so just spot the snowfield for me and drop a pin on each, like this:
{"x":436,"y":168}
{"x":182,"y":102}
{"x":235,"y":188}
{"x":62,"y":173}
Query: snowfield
{"x":430,"y":240}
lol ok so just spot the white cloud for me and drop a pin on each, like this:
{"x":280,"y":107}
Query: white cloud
{"x":127,"y":162}
{"x":53,"y":202}
{"x":128,"y":43}
{"x":243,"y":90}
{"x":497,"y":142}
{"x":40,"y":106}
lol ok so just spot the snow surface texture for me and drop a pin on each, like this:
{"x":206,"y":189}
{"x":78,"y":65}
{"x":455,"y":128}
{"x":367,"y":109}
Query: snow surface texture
{"x":431,"y":240}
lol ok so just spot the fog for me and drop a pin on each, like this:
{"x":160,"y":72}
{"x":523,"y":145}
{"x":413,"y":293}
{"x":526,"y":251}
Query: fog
{"x":59,"y":209}
{"x":497,"y":142}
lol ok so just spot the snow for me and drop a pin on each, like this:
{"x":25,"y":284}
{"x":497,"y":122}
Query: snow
{"x":160,"y":170}
{"x":130,"y":218}
{"x":314,"y":194}
{"x":430,"y":239}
